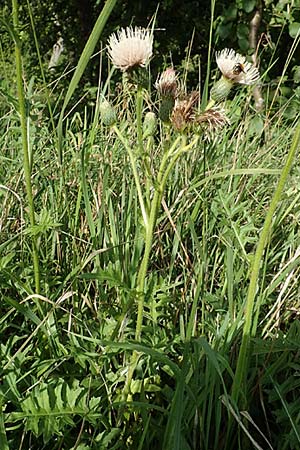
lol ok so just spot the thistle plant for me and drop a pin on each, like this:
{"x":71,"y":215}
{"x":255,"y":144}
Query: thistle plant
{"x":130,"y":50}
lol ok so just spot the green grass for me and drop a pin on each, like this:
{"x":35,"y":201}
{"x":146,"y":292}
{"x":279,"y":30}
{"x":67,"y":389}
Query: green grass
{"x":71,"y":351}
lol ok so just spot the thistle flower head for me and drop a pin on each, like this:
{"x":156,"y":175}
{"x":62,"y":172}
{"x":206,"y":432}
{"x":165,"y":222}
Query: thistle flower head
{"x":167,"y":83}
{"x":184,"y":111}
{"x":235,"y":67}
{"x":130,"y":47}
{"x":213,"y":118}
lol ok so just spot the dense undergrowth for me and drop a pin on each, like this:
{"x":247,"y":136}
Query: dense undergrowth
{"x":66,"y":351}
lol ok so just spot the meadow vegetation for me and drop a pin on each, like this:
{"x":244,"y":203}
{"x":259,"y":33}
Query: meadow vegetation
{"x":149,"y":261}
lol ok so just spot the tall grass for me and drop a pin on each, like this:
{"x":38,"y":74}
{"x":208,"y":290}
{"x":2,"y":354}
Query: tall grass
{"x":214,"y":253}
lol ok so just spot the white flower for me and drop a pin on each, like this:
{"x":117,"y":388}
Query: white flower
{"x":166,"y":83}
{"x":130,"y":47}
{"x":235,"y":67}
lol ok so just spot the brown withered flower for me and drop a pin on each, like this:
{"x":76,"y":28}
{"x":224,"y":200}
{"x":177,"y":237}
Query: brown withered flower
{"x":212,"y":120}
{"x":184,"y":111}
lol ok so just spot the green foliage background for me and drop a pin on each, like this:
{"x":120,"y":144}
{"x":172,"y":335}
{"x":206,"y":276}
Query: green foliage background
{"x":65,"y":355}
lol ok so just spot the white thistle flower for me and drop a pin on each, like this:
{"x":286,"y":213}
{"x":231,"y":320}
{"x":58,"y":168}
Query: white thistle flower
{"x":167,"y":83}
{"x":235,"y":67}
{"x":130,"y":47}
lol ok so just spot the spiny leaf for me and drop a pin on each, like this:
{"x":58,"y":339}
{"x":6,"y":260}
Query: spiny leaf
{"x":50,"y":407}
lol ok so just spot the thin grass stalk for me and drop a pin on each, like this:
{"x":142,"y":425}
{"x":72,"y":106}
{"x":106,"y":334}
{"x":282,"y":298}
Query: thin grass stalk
{"x":205,"y":90}
{"x":139,"y":113}
{"x":82,"y":63}
{"x":26,"y":162}
{"x":41,"y":69}
{"x":3,"y":438}
{"x":85,"y":192}
{"x":249,"y":330}
{"x":192,"y":317}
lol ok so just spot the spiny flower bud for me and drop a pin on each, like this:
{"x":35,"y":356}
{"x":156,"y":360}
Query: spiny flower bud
{"x":107,"y":113}
{"x":166,"y":108}
{"x":149,"y":125}
{"x":221,"y":89}
{"x":166,"y":83}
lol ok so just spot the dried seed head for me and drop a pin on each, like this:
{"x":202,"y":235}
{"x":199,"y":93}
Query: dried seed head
{"x":184,"y":111}
{"x":214,"y":118}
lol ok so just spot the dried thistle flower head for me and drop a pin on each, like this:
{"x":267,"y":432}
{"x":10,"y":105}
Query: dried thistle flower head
{"x":213,"y":118}
{"x":130,"y":47}
{"x":235,"y":67}
{"x":167,"y":83}
{"x":184,"y":111}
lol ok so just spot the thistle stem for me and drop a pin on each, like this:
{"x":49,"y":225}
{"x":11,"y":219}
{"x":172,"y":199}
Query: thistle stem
{"x":161,"y":181}
{"x":167,"y":163}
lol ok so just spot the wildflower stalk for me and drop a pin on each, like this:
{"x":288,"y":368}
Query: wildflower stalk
{"x":26,"y":162}
{"x":167,"y":163}
{"x":148,"y":245}
{"x":135,"y":173}
{"x":250,"y":329}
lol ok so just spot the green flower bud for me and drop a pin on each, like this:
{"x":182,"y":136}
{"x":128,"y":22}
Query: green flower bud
{"x":107,"y":113}
{"x":221,"y":89}
{"x":149,"y":125}
{"x":166,"y":108}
